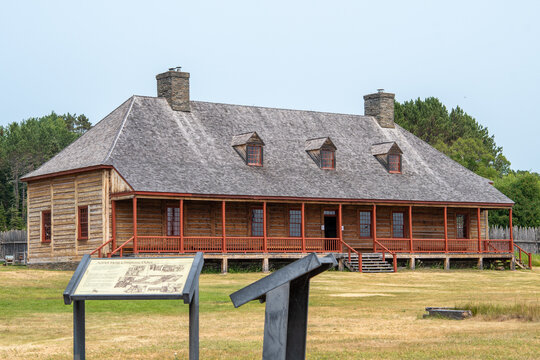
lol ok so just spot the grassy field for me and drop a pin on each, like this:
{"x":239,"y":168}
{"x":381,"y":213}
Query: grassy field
{"x":352,"y":316}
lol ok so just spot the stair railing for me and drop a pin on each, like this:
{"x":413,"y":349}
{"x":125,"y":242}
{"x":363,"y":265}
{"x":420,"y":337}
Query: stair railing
{"x":121,"y":247}
{"x":349,"y":250}
{"x":520,"y":250}
{"x":384,"y":250}
{"x":98,"y":250}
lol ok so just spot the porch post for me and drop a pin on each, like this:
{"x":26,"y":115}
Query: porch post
{"x":410,"y":229}
{"x":478,"y":230}
{"x":265,"y":237}
{"x":182,"y":225}
{"x":224,"y":240}
{"x":445,"y":229}
{"x":340,"y":228}
{"x":374,"y":226}
{"x":113,"y":209}
{"x":511,"y":233}
{"x":135,"y":250}
{"x":303,"y":228}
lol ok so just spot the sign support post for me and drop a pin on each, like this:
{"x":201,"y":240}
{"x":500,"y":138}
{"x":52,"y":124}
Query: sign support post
{"x":286,"y":293}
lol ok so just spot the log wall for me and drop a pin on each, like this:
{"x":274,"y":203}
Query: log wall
{"x":62,"y":196}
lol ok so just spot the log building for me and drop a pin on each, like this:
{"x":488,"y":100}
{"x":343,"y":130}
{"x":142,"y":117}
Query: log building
{"x":162,"y":175}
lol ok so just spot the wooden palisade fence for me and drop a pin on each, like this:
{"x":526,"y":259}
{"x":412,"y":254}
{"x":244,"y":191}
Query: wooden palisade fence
{"x":528,"y":238}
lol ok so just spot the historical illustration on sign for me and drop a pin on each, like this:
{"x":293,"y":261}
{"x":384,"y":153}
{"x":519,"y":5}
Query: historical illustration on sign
{"x":135,"y":276}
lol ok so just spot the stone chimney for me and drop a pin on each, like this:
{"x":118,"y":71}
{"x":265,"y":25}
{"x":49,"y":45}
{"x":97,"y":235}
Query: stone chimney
{"x":173,"y":85}
{"x":381,"y":106}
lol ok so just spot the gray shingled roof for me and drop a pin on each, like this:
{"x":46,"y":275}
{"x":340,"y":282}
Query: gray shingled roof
{"x":383,"y":148}
{"x":243,"y":139}
{"x":160,"y":150}
{"x":316,"y":144}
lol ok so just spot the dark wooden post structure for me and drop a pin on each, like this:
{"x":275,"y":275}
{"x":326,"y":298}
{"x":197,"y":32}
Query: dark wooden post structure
{"x":135,"y":250}
{"x":286,"y":293}
{"x":445,"y":229}
{"x":303,"y":228}
{"x":224,"y":236}
{"x":410,"y":229}
{"x":182,"y":225}
{"x":113,"y":215}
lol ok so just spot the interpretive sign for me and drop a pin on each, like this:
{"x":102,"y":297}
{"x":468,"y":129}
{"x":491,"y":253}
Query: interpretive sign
{"x":286,"y":293}
{"x":135,"y":279}
{"x":112,"y":277}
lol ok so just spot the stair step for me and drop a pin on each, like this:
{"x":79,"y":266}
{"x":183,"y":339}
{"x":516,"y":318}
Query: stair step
{"x":371,"y":263}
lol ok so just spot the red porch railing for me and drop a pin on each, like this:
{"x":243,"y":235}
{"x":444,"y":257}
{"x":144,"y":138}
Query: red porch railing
{"x":403,"y":245}
{"x":100,"y":248}
{"x":122,"y":247}
{"x":235,"y":244}
{"x":381,"y":248}
{"x":520,"y":251}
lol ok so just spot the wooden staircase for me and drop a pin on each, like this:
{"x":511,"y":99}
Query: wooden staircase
{"x":371,"y":263}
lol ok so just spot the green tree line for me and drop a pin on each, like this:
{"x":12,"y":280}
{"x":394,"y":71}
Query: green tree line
{"x":462,"y":138}
{"x":24,"y":146}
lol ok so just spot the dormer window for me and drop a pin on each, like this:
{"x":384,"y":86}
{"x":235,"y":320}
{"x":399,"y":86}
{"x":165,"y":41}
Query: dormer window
{"x":389,"y":155}
{"x":254,"y":155}
{"x":249,"y":146}
{"x":394,"y":163}
{"x":328,"y":158}
{"x":323,"y":152}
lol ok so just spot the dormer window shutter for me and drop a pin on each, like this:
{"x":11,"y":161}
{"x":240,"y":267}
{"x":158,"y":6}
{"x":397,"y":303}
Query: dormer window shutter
{"x":323,"y":152}
{"x":250,"y":147}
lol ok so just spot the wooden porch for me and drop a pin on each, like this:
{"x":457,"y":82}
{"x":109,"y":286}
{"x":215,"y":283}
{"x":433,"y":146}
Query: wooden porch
{"x":144,"y":225}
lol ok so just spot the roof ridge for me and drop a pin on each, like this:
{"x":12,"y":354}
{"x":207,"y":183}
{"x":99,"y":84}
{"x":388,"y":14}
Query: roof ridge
{"x":120,"y":129}
{"x":286,"y":109}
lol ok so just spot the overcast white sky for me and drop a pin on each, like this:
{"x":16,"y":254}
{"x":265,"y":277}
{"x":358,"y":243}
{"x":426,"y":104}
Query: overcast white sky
{"x":316,"y":55}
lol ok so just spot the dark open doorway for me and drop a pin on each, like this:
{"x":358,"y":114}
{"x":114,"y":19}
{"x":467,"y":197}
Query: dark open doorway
{"x":330,"y":226}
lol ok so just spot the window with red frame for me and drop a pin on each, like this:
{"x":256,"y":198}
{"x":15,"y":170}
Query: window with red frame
{"x":328,"y":159}
{"x":173,"y":221}
{"x":257,"y":222}
{"x":365,"y":224}
{"x":295,"y":223}
{"x":83,"y":222}
{"x":46,"y":229}
{"x":462,"y":231}
{"x":394,"y":163}
{"x":254,"y":155}
{"x":398,"y":225}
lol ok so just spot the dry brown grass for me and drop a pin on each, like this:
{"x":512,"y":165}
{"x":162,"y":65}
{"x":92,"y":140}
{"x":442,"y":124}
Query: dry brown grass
{"x":352,"y":316}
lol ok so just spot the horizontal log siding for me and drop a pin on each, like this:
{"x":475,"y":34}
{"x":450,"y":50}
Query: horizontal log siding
{"x":62,"y":196}
{"x":428,"y":223}
{"x":124,"y":221}
{"x":351,"y":227}
{"x":384,"y":220}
